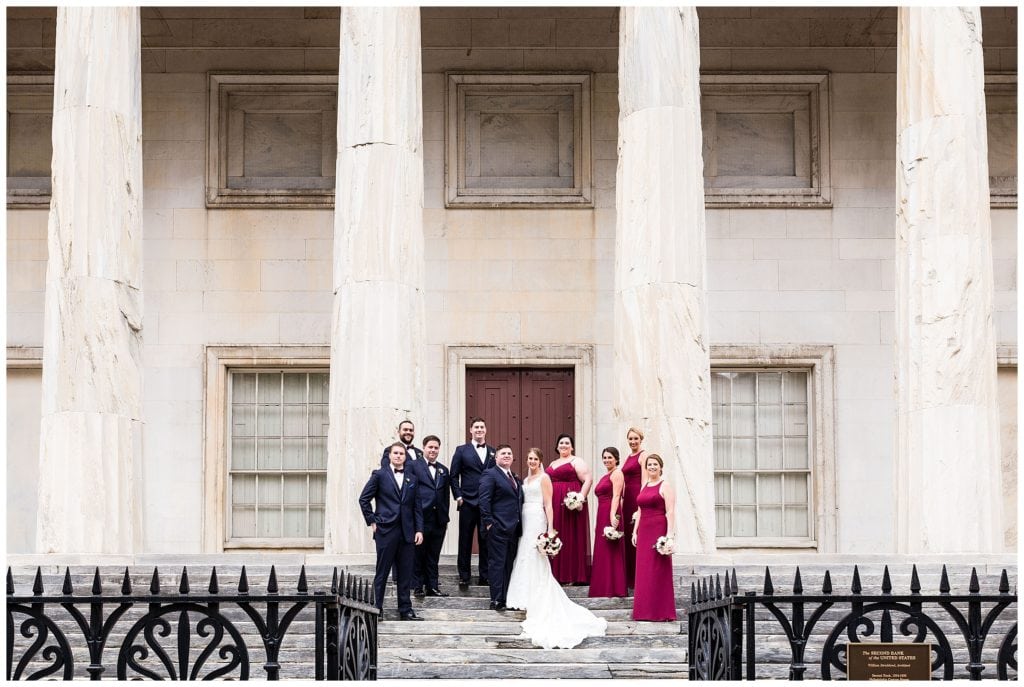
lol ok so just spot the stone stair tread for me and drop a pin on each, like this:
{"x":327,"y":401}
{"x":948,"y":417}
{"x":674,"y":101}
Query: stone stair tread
{"x":536,"y":671}
{"x":529,"y":656}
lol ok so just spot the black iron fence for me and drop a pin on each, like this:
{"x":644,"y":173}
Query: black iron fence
{"x":179,"y":634}
{"x":724,"y":637}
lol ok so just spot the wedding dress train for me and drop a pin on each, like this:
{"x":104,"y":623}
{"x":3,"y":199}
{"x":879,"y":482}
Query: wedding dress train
{"x":552,"y":620}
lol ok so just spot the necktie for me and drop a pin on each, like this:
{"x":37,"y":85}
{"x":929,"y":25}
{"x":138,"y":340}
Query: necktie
{"x":512,"y":481}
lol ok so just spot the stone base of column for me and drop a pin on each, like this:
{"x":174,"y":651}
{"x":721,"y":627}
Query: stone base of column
{"x":90,"y":506}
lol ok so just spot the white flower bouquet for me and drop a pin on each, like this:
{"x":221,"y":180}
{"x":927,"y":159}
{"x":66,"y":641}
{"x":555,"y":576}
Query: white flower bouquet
{"x":665,"y":546}
{"x":549,"y":546}
{"x":612,"y":534}
{"x":573,"y":501}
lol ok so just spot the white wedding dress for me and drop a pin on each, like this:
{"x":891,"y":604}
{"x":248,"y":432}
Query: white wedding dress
{"x":552,"y":620}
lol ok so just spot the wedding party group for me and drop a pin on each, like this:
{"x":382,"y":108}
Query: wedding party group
{"x":532,"y":534}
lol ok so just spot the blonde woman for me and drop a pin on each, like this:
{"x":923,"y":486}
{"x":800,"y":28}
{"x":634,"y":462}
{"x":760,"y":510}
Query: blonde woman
{"x":655,"y":599}
{"x":632,"y":475}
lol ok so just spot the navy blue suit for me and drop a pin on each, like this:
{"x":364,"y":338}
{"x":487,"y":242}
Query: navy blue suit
{"x":501,"y":508}
{"x":434,"y":493}
{"x":398,"y":515}
{"x":465,"y":474}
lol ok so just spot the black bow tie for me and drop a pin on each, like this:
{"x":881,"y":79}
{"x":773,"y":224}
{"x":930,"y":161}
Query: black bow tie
{"x":481,"y":445}
{"x":399,"y":471}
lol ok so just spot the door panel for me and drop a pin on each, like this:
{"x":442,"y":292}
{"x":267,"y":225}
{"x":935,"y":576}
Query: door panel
{"x":523,"y":407}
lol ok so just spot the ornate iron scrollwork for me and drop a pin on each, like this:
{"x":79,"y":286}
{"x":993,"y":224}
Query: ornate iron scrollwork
{"x":1007,"y":658}
{"x":712,"y":648}
{"x":133,"y":655}
{"x":356,"y":647}
{"x":57,"y":656}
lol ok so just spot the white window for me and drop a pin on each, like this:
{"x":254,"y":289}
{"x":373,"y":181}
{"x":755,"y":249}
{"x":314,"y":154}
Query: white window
{"x":762,"y":453}
{"x":277,"y":455}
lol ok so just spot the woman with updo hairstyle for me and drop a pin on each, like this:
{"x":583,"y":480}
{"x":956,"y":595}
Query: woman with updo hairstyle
{"x":569,"y":473}
{"x":608,"y":576}
{"x":632,"y":474}
{"x":654,"y":598}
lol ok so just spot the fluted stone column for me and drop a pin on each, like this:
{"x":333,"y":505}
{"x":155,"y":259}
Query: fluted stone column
{"x":948,"y":459}
{"x":661,"y":368}
{"x":377,"y":347}
{"x":92,"y":336}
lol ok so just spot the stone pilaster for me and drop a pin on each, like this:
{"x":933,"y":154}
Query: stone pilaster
{"x":661,"y":367}
{"x":92,"y":337}
{"x":377,"y":347}
{"x":948,"y":461}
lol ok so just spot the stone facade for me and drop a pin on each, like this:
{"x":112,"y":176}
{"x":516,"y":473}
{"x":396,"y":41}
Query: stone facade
{"x":509,"y":279}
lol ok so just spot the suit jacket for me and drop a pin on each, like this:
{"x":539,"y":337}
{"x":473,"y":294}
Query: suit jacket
{"x":393,"y":508}
{"x":466,"y":471}
{"x":501,"y":505}
{"x":435,"y":497}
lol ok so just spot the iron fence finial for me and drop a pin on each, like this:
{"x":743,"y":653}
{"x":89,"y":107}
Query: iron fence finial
{"x":1004,"y":583}
{"x":944,"y":581}
{"x":272,"y":582}
{"x":886,"y":582}
{"x":214,"y":587}
{"x":334,"y":582}
{"x":126,"y":583}
{"x":769,"y":588}
{"x":97,"y":586}
{"x":154,"y":585}
{"x":735,"y":586}
{"x":301,"y":587}
{"x":718,"y":586}
{"x":798,"y":585}
{"x":826,"y":585}
{"x":974,"y":587}
{"x":693,"y":592}
{"x":855,"y":588}
{"x":10,"y":581}
{"x":37,"y":584}
{"x":728,"y":588}
{"x":67,"y":589}
{"x":183,"y":588}
{"x":915,"y":582}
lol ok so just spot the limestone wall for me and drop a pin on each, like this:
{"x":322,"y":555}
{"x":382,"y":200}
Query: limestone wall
{"x":507,"y":276}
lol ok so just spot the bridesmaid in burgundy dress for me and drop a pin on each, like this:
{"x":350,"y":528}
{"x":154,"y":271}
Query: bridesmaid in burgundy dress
{"x":608,"y":577}
{"x":632,"y":473}
{"x":655,"y":598}
{"x":569,"y":473}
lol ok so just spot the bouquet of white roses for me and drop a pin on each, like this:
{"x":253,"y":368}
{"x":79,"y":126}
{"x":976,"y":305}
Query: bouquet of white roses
{"x":549,"y":546}
{"x":573,"y":501}
{"x":612,"y":534}
{"x":665,"y":546}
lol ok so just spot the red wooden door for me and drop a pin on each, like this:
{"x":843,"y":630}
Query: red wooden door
{"x":523,"y":407}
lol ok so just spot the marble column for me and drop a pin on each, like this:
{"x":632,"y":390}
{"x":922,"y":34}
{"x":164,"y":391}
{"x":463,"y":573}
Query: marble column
{"x":661,"y":366}
{"x":92,"y":337}
{"x":948,"y":477}
{"x":377,"y":336}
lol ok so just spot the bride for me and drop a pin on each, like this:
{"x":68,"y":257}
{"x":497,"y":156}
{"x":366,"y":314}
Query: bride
{"x":552,"y":620}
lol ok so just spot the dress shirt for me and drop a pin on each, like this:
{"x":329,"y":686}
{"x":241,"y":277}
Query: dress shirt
{"x":481,"y":450}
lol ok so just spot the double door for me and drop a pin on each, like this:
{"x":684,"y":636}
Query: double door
{"x":523,"y":407}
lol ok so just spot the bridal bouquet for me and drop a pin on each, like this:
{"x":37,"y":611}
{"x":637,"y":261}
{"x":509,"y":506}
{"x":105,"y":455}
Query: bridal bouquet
{"x":549,"y":546}
{"x":573,"y":501}
{"x":665,"y":546}
{"x":612,"y":534}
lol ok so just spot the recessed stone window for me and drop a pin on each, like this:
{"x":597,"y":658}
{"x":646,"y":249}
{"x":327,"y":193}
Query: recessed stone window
{"x":765,"y":140}
{"x":518,"y":140}
{"x":29,"y":142}
{"x":272,"y":140}
{"x":1001,"y":111}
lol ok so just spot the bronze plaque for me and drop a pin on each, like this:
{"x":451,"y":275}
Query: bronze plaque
{"x":888,"y":661}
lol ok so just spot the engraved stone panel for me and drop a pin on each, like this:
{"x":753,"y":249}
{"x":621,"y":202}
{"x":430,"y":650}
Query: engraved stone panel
{"x":1001,"y":111}
{"x":29,"y":141}
{"x":273,"y":140}
{"x":521,"y":139}
{"x":765,"y":140}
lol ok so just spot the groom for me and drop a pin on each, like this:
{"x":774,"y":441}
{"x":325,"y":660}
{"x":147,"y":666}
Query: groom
{"x":501,"y":507}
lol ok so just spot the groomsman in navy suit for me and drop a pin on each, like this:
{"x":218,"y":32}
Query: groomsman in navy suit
{"x":397,"y":524}
{"x":501,"y":508}
{"x":413,"y":456}
{"x":468,"y":463}
{"x":436,"y":502}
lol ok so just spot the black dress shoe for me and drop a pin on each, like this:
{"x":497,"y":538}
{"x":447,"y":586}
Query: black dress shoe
{"x":418,"y":592}
{"x":435,"y":592}
{"x":494,"y":605}
{"x":482,"y":580}
{"x":411,"y":615}
{"x":463,"y":585}
{"x":500,"y":607}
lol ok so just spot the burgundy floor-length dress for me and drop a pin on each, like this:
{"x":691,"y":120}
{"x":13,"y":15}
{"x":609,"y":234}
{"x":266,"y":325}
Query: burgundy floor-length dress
{"x":570,"y":565}
{"x":608,"y":576}
{"x":654,"y":598}
{"x":631,"y":473}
